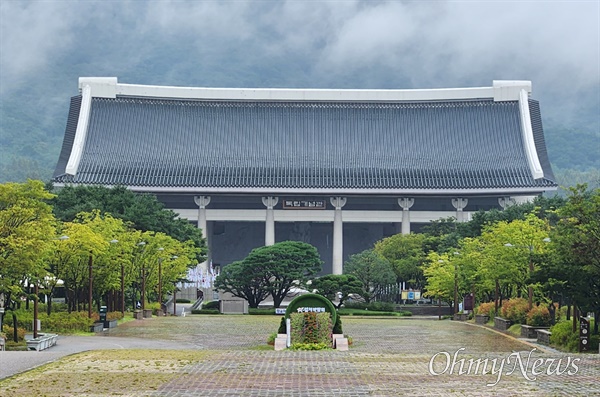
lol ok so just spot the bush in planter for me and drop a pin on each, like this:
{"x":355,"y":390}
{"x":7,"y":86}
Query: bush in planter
{"x":539,"y":316}
{"x":114,"y":316}
{"x":487,"y":309}
{"x":515,"y":310}
{"x":311,"y":328}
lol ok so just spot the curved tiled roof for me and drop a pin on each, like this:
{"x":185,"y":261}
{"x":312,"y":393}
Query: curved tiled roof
{"x":144,"y":142}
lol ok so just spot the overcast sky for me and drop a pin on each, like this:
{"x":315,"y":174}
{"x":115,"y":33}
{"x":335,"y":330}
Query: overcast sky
{"x":360,"y":44}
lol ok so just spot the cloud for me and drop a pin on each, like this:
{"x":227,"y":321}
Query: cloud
{"x":379,"y":44}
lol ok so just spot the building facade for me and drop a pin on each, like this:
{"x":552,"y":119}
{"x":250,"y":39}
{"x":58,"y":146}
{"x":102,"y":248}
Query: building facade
{"x":339,"y":169}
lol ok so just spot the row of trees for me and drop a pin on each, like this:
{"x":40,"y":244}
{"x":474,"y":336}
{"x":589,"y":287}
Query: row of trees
{"x":46,"y":238}
{"x":547,"y":250}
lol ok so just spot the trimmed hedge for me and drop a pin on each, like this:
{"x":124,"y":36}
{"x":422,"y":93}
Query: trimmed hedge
{"x":358,"y":312}
{"x":261,"y":312}
{"x":211,"y":305}
{"x":206,"y":311}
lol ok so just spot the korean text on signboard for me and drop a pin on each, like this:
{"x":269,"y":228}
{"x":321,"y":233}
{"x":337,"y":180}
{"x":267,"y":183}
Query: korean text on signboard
{"x":304,"y":204}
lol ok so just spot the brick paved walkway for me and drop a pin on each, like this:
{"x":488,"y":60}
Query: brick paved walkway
{"x":390,"y":357}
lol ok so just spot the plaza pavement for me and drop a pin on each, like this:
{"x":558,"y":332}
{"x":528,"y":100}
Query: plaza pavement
{"x":389,"y":357}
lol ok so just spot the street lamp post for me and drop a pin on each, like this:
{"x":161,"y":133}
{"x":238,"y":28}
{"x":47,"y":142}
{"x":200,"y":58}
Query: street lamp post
{"x":35,"y":311}
{"x":122,"y":300}
{"x":91,"y":278}
{"x":175,"y":292}
{"x":160,"y":277}
{"x":141,"y":244}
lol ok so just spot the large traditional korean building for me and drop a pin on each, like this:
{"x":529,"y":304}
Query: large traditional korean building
{"x":339,"y":169}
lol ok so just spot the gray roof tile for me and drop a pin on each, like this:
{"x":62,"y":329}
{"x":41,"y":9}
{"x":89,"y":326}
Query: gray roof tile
{"x":428,"y":145}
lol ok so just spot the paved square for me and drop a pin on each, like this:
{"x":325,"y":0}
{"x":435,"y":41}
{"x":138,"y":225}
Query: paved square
{"x":227,"y":356}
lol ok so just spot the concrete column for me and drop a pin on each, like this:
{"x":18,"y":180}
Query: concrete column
{"x":338,"y":235}
{"x":270,"y":202}
{"x":202,"y":202}
{"x":406,"y":203}
{"x":460,"y":203}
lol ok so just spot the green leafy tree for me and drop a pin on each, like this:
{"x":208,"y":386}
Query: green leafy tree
{"x":337,"y":286}
{"x":405,"y":253}
{"x":142,"y":211}
{"x":509,"y":252}
{"x":373,"y":271}
{"x":577,"y":243}
{"x":440,"y":274}
{"x":287,"y":264}
{"x":26,"y":232}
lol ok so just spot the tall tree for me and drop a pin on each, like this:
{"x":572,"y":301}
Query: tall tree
{"x":244,"y":281}
{"x":373,"y":271}
{"x":405,"y":252}
{"x":26,"y":231}
{"x":143,"y":211}
{"x":337,"y":287}
{"x":577,"y":243}
{"x":287,"y":264}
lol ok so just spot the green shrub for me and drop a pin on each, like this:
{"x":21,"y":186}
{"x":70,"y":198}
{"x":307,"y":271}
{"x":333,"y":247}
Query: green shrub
{"x":206,"y":311}
{"x":359,"y":312}
{"x":564,"y":337}
{"x":211,"y":305}
{"x":355,"y":305}
{"x":311,"y":328}
{"x":271,"y":339}
{"x":381,"y":306}
{"x":515,"y":310}
{"x":487,"y":309}
{"x":337,"y":327}
{"x":373,"y":306}
{"x":310,"y":346}
{"x":539,"y":316}
{"x":282,"y":326}
{"x":7,"y":330}
{"x":64,"y":322}
{"x":114,"y":316}
{"x":181,"y":300}
{"x":261,"y":312}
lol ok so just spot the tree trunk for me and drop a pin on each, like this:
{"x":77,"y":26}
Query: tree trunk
{"x":552,"y":310}
{"x":15,"y":335}
{"x":49,"y":304}
{"x":496,"y":297}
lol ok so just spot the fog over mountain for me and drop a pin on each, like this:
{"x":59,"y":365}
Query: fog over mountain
{"x":46,"y":45}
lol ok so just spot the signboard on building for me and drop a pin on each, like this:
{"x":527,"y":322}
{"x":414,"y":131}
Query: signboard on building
{"x":296,"y":204}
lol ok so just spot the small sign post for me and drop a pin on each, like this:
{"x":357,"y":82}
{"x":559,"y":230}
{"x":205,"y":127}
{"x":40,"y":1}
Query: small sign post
{"x":584,"y":334}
